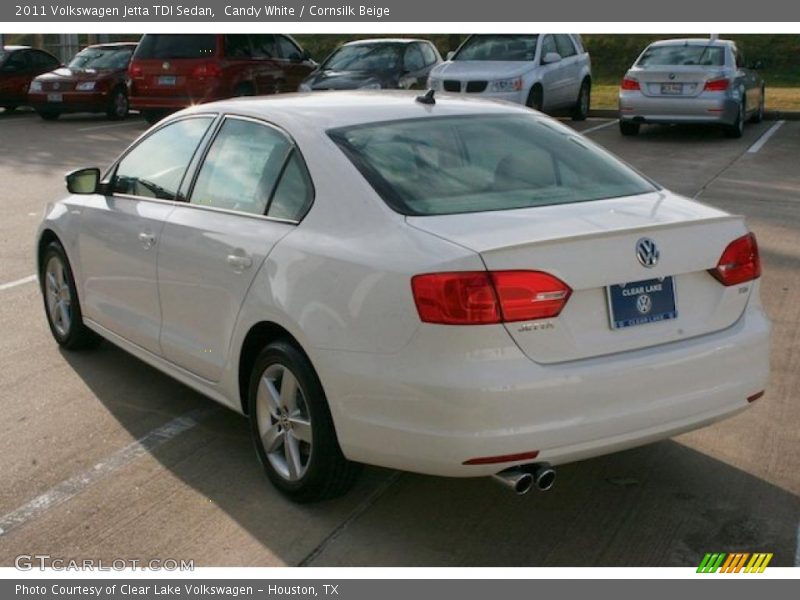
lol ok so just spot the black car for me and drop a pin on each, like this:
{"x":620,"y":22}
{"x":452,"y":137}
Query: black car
{"x":375,"y":64}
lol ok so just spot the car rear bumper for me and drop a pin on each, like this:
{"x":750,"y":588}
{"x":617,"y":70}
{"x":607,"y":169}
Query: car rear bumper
{"x":712,"y":108}
{"x":443,"y":401}
{"x":71,"y":102}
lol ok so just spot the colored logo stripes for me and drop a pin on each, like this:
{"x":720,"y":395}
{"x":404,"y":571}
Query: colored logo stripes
{"x":735,"y":562}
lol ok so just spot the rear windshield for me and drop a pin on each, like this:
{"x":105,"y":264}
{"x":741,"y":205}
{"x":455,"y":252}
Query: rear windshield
{"x":101,"y":58}
{"x":476,"y":163}
{"x":177,"y":46}
{"x":365,"y":57}
{"x":498,"y":47}
{"x":681,"y":54}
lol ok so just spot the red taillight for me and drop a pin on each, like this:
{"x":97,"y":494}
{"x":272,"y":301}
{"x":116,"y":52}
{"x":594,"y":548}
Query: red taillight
{"x":481,"y":297}
{"x":135,"y":71}
{"x":629,"y":84}
{"x":207,"y":69}
{"x":717,"y":85}
{"x":739,"y":263}
{"x":491,"y":460}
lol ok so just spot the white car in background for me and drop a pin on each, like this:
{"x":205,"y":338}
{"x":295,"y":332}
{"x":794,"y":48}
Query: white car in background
{"x":440,"y":285}
{"x":546,"y":72}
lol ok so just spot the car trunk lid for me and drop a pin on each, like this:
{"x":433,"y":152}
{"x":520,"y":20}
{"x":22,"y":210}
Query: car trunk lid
{"x":592,"y":246}
{"x":674,"y":81}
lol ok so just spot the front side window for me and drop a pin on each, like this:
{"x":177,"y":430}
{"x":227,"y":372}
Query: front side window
{"x":288,"y":49}
{"x":428,"y":53}
{"x":682,"y":54}
{"x":476,"y":163}
{"x":264,"y":45}
{"x":548,"y":46}
{"x":155,"y":167}
{"x":564,"y":46}
{"x":413,"y":60}
{"x":242,"y":167}
{"x":498,"y":47}
{"x":17,"y":62}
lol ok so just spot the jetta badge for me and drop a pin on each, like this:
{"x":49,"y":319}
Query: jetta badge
{"x":647,"y":252}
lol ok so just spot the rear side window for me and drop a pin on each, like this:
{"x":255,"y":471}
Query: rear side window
{"x":683,"y":54}
{"x":294,"y":194}
{"x":237,"y":46}
{"x":159,"y":45}
{"x":155,"y":167}
{"x":264,"y":45}
{"x":476,"y":163}
{"x":242,"y":167}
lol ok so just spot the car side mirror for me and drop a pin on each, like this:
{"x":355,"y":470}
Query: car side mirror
{"x":83,"y":181}
{"x":550,"y":58}
{"x":451,"y":54}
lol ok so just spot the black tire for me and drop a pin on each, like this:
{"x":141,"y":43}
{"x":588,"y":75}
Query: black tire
{"x":736,"y":130}
{"x":583,"y":103}
{"x":535,"y":98}
{"x":628,"y":128}
{"x":153,"y":116}
{"x":758,"y":116}
{"x":49,"y":115}
{"x":326,"y":473}
{"x":118,"y":106}
{"x":75,"y":336}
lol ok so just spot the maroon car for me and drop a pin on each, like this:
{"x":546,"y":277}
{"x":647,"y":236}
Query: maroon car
{"x":18,"y":66}
{"x":171,"y":71}
{"x":94,"y":81}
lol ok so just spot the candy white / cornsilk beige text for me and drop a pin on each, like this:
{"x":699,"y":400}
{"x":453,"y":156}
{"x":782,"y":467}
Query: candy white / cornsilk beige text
{"x":280,"y":10}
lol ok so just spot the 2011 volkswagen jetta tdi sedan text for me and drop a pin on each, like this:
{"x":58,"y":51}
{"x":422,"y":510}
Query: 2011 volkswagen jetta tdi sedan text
{"x":441,"y":285}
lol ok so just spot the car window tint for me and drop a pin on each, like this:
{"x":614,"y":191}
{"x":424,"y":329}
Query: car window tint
{"x":155,"y":167}
{"x":41,"y":60}
{"x":158,"y":45}
{"x":241,"y":168}
{"x":413,"y":60}
{"x":474,"y":163}
{"x":683,"y":54}
{"x":287,"y":49}
{"x":548,"y":45}
{"x":294,"y":193}
{"x":18,"y":62}
{"x":264,"y":45}
{"x":237,"y":46}
{"x":564,"y":46}
{"x":428,"y":54}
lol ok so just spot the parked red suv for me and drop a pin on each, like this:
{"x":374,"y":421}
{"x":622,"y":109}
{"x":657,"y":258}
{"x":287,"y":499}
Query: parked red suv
{"x":171,"y":71}
{"x":94,"y":81}
{"x":18,"y":66}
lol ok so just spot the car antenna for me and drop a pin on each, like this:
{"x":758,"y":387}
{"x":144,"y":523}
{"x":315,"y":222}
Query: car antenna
{"x":427,"y":98}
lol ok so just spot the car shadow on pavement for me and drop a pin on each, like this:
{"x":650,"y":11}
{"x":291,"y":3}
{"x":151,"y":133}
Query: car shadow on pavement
{"x":660,"y":505}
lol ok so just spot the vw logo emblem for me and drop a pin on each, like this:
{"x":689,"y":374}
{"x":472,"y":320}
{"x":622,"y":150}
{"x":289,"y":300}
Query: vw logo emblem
{"x":165,"y":65}
{"x":672,"y":75}
{"x":647,"y":252}
{"x":644,"y":304}
{"x":56,"y":85}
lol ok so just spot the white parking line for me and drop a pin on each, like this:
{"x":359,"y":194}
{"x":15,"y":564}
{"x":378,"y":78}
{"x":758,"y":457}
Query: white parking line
{"x":70,"y":488}
{"x":11,"y":284}
{"x":596,"y":127}
{"x":110,"y":126}
{"x":763,"y":139}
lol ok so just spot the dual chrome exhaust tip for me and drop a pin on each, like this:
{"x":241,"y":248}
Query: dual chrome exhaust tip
{"x":523,"y":479}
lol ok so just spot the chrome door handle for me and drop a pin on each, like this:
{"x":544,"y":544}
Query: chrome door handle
{"x":147,"y":240}
{"x":239,"y":262}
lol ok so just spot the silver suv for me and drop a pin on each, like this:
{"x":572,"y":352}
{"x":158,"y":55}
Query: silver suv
{"x":547,"y":72}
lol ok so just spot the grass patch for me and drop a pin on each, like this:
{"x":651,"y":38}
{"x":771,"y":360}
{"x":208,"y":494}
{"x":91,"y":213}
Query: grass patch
{"x":604,"y":96}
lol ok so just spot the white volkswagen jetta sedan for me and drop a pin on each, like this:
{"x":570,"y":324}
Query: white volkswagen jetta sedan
{"x":441,"y":285}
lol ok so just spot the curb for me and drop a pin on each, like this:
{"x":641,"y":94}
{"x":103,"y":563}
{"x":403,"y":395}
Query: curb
{"x":769,"y":115}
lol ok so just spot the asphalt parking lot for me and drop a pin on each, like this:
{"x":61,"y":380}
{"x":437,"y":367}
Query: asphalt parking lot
{"x":77,"y":485}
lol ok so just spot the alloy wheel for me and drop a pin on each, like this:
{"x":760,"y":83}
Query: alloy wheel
{"x":58,"y":296}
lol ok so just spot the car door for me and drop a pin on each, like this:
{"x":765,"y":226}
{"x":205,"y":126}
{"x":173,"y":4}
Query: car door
{"x":250,"y":191}
{"x":15,"y":78}
{"x":553,"y":79}
{"x":119,"y":236}
{"x":569,"y":67}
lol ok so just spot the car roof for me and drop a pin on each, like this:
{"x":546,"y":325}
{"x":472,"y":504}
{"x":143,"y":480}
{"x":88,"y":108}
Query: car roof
{"x":114,"y":45}
{"x":332,"y":109}
{"x":692,"y":42}
{"x":385,"y":41}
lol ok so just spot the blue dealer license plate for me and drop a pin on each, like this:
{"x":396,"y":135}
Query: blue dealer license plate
{"x":641,"y":302}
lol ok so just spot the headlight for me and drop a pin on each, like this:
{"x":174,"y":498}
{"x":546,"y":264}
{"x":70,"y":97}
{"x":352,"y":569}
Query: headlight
{"x":85,"y":86}
{"x":303,"y":87}
{"x":507,"y":85}
{"x":434,"y":84}
{"x":370,"y":86}
{"x":36,"y":86}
